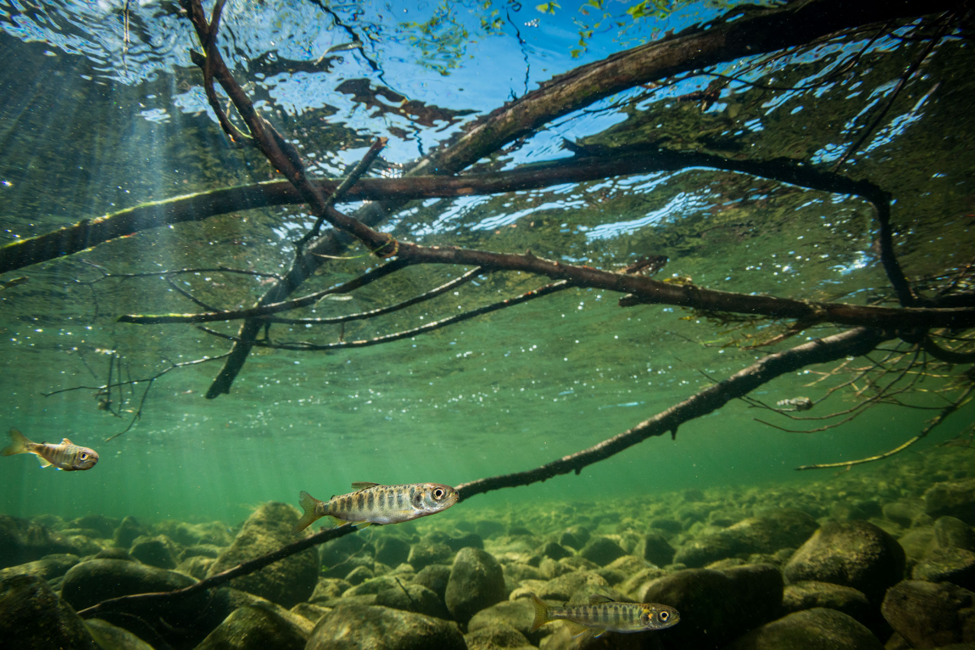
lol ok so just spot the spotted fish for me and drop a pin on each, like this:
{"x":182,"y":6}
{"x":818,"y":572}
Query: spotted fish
{"x":372,"y":503}
{"x":66,"y":455}
{"x":604,"y":614}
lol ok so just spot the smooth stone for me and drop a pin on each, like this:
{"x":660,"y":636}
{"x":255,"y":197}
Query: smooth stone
{"x":32,"y":616}
{"x":476,"y":581}
{"x":287,"y":582}
{"x":158,"y":551}
{"x":434,"y":577}
{"x":766,"y":533}
{"x":128,"y":530}
{"x":110,"y":637}
{"x":310,"y":611}
{"x":955,"y":499}
{"x":574,"y":537}
{"x":952,"y":532}
{"x":211,"y":551}
{"x":470,"y":539}
{"x":23,"y":540}
{"x":412,"y":597}
{"x":811,"y":629}
{"x":602,"y":550}
{"x":567,"y":585}
{"x":554,"y":550}
{"x":954,"y":565}
{"x":357,"y":627}
{"x":46,"y":568}
{"x":930,"y":615}
{"x":91,"y":582}
{"x":423,"y":555}
{"x":855,"y":554}
{"x":565,"y":638}
{"x":810,"y":595}
{"x":518,"y":572}
{"x":495,"y":637}
{"x":917,"y":541}
{"x":904,"y":512}
{"x":102,"y":525}
{"x":258,"y":628}
{"x":328,"y":588}
{"x":392,"y":550}
{"x":654,"y":548}
{"x":196,"y":566}
{"x":720,"y":605}
{"x":518,"y":614}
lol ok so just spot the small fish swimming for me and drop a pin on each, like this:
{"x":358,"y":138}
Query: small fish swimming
{"x":66,"y":455}
{"x":798,"y":403}
{"x":372,"y":503}
{"x":603,"y":614}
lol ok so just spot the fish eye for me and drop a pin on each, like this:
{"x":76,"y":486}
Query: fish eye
{"x":664,"y":616}
{"x":84,"y":456}
{"x":438,"y":493}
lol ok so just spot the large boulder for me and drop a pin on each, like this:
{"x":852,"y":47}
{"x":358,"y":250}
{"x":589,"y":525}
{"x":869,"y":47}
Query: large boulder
{"x":602,"y":550}
{"x":812,"y":629}
{"x":110,"y":637}
{"x":766,"y":533}
{"x":496,"y":637}
{"x":32,"y":616}
{"x":46,"y":568}
{"x":717,"y":606}
{"x":91,"y":582}
{"x":287,"y":582}
{"x":158,"y":551}
{"x":476,"y":581}
{"x":259,"y":628}
{"x":413,"y":598}
{"x":930,"y":615}
{"x":518,"y":614}
{"x":811,"y":595}
{"x":361,"y":627}
{"x":855,"y":554}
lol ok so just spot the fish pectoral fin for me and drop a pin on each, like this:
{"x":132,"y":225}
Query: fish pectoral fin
{"x":43,"y":461}
{"x":597,"y":634}
{"x":363,"y":486}
{"x":596,"y":599}
{"x":575,"y":629}
{"x":359,"y":525}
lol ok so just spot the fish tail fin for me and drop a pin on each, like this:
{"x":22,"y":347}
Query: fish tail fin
{"x":541,"y":612}
{"x":310,"y":505}
{"x":19,"y":445}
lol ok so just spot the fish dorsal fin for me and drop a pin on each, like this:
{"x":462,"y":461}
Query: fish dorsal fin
{"x":598,"y":599}
{"x":65,"y":441}
{"x":363,"y":486}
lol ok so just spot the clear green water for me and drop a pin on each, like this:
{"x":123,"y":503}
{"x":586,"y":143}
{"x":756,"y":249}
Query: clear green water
{"x":82,"y":134}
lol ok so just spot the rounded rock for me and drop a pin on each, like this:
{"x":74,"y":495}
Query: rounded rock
{"x":476,"y":582}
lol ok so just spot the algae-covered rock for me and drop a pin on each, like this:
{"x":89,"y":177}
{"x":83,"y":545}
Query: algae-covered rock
{"x":310,"y":611}
{"x":32,"y":616}
{"x":954,"y":565}
{"x":91,"y":582}
{"x":602,"y":550}
{"x":158,"y":551}
{"x":567,"y":585}
{"x":496,"y":637}
{"x":357,"y":627}
{"x":287,"y":582}
{"x":518,"y":614}
{"x":811,"y":594}
{"x":392,"y":550}
{"x":554,"y":550}
{"x":812,"y":629}
{"x":476,"y":581}
{"x":424,"y":554}
{"x":128,"y":530}
{"x":574,"y":537}
{"x":855,"y":554}
{"x":952,"y":532}
{"x":110,"y":637}
{"x":930,"y":615}
{"x":102,"y":525}
{"x":765,"y":533}
{"x":23,"y":540}
{"x":412,"y":597}
{"x":720,"y":605}
{"x":654,"y":548}
{"x":258,"y":628}
{"x":954,"y":499}
{"x":46,"y":568}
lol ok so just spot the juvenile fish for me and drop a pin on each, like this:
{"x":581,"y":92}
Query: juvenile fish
{"x":66,"y":455}
{"x":372,"y":503}
{"x":798,"y":403}
{"x":604,"y":614}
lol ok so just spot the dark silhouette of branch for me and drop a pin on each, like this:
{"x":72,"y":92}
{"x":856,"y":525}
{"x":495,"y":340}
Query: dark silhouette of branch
{"x":242,"y":569}
{"x":853,"y":342}
{"x":934,"y":422}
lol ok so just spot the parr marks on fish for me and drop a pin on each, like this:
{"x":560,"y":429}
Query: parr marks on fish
{"x":372,"y":503}
{"x":65,"y":455}
{"x":603,"y":614}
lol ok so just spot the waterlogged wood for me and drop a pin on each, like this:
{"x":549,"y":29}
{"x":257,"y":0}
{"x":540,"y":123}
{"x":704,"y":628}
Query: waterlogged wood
{"x":854,"y":342}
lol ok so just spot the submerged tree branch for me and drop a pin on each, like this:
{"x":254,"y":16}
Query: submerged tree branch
{"x":853,"y":342}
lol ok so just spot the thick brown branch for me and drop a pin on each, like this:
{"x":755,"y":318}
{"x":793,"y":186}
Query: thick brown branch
{"x":849,"y":343}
